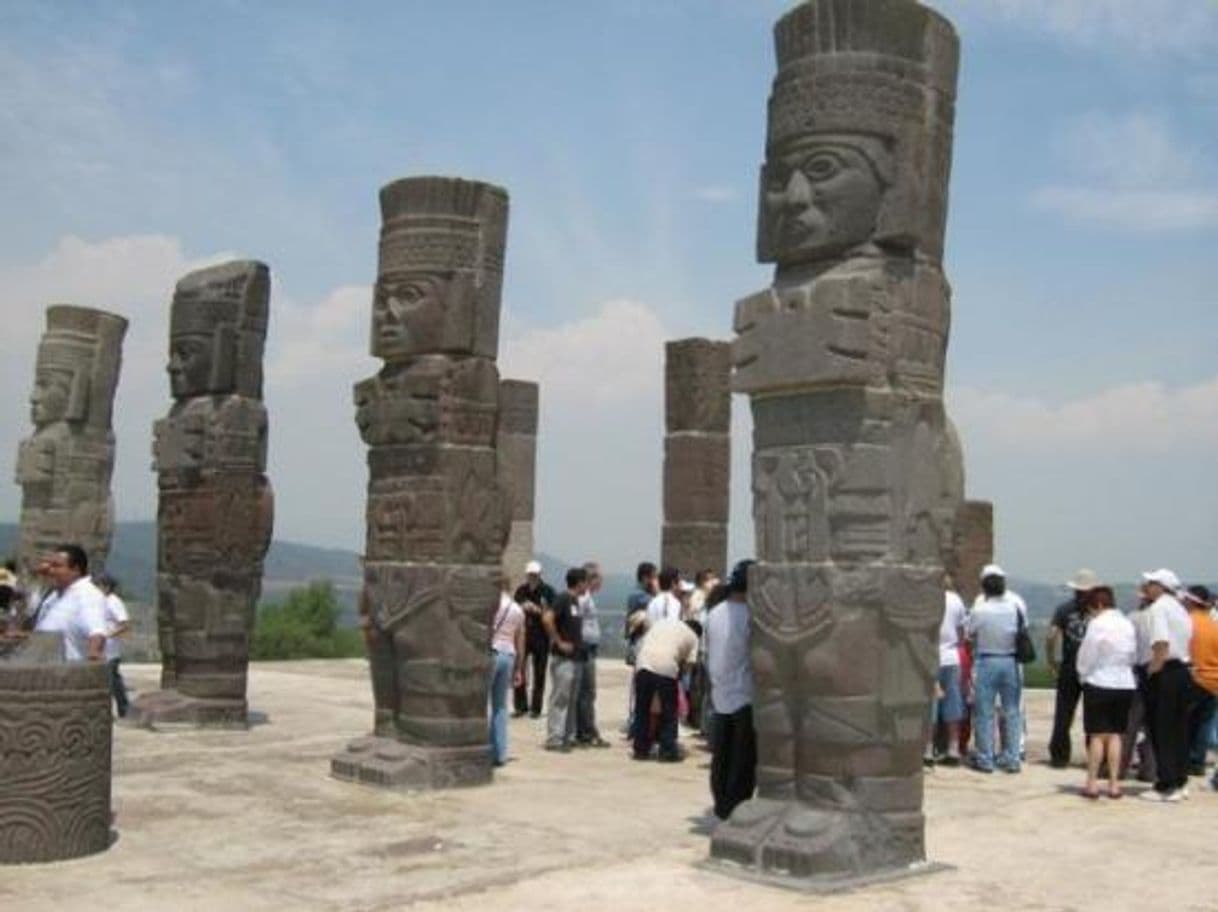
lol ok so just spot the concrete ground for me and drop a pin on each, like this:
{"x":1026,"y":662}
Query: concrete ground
{"x":252,"y":820}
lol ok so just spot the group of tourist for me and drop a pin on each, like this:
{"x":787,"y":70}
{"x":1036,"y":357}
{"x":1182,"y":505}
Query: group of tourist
{"x":63,"y":598}
{"x":1147,"y":681}
{"x":687,"y":643}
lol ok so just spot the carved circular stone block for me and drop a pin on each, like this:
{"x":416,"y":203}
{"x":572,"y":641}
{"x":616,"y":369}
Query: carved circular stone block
{"x":55,"y":728}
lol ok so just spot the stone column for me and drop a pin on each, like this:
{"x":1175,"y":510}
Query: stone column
{"x":974,"y":546}
{"x":697,"y":454}
{"x":64,"y":469}
{"x":54,"y":754}
{"x":855,"y":473}
{"x":437,"y":519}
{"x":216,"y":510}
{"x":517,"y":448}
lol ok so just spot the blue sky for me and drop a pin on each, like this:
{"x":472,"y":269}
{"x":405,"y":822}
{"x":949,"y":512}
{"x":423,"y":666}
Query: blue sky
{"x":140,"y":140}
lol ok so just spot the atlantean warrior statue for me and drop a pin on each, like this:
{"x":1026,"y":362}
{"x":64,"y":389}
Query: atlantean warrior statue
{"x":855,"y":475}
{"x":64,"y":469}
{"x":517,"y":451}
{"x":215,"y":512}
{"x":697,"y":454}
{"x":437,"y":517}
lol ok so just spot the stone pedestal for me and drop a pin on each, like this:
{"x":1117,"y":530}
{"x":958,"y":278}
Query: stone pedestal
{"x":856,"y":474}
{"x":517,"y":451}
{"x":55,"y":728}
{"x":215,"y":511}
{"x":697,"y":455}
{"x":437,"y":514}
{"x":64,"y":469}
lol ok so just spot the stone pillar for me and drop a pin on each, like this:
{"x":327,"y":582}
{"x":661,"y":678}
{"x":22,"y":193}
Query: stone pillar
{"x":697,"y":454}
{"x":64,"y":469}
{"x":855,"y":473}
{"x":517,"y":449}
{"x":54,"y":754}
{"x":216,"y":510}
{"x":437,"y":518}
{"x":974,"y":546}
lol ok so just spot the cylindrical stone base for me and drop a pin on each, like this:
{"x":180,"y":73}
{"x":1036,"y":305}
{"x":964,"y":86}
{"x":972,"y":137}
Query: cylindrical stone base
{"x":55,"y":728}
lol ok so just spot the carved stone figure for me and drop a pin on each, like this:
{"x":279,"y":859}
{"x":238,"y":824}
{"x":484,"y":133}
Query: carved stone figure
{"x":54,"y":754}
{"x":216,"y":508}
{"x":856,"y":475}
{"x":517,"y":451}
{"x":64,"y":469}
{"x":697,"y":454}
{"x":974,"y":546}
{"x":437,"y":513}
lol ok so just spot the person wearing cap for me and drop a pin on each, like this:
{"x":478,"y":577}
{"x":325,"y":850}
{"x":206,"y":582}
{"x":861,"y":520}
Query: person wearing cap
{"x":1069,"y":626}
{"x":534,"y":596}
{"x":733,"y":774}
{"x":1168,"y":685}
{"x":118,"y":623}
{"x":1203,"y":650}
{"x":1105,"y":666}
{"x":992,"y":627}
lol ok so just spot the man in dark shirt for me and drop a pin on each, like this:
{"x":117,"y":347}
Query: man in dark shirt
{"x":1069,"y":625}
{"x":564,"y":627}
{"x":534,"y":596}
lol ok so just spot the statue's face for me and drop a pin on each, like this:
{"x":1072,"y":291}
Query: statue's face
{"x":408,"y":314}
{"x":820,"y":199}
{"x":49,"y":401}
{"x":190,"y":358}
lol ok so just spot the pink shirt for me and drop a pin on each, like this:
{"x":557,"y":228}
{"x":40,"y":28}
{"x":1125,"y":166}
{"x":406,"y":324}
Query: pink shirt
{"x":508,"y":619}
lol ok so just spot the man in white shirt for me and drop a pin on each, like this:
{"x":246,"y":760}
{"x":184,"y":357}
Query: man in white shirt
{"x":1168,"y":683}
{"x":666,"y":604}
{"x":77,"y":608}
{"x":947,"y":706}
{"x":668,"y":645}
{"x":733,"y":776}
{"x":118,"y":622}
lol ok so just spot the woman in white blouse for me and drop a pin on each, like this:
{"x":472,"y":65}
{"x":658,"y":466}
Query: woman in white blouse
{"x":1105,"y":666}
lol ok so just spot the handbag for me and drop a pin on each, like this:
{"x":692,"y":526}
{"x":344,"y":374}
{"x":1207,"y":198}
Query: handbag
{"x":1025,"y":651}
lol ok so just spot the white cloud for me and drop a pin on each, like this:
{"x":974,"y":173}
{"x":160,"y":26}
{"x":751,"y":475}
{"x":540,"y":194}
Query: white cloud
{"x":716,"y":193}
{"x":1132,"y":419}
{"x":1132,"y":210}
{"x":1135,"y":174}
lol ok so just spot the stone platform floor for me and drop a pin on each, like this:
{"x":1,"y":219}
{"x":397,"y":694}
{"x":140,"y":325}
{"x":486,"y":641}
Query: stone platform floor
{"x":252,"y":820}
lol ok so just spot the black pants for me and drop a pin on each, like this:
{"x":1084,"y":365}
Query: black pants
{"x":733,"y":775}
{"x":646,"y":685}
{"x":1167,"y":707}
{"x":1069,"y":690}
{"x":538,"y":656}
{"x":118,"y":688}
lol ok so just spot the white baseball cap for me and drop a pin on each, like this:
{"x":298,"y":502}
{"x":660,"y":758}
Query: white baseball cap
{"x":1163,"y":577}
{"x":533,"y":567}
{"x":992,"y":570}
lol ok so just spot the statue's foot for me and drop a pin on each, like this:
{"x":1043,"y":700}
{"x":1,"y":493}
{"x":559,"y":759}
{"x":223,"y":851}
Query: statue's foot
{"x":174,"y":709}
{"x":390,"y":763}
{"x":738,"y":839}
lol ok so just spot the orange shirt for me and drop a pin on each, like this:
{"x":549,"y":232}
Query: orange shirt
{"x":1204,"y":650}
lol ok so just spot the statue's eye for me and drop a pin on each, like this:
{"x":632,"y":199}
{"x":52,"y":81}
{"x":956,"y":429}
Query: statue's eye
{"x":821,"y":166}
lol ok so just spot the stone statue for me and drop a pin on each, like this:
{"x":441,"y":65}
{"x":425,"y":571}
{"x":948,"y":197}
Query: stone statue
{"x":697,"y":455}
{"x":64,"y":469}
{"x":216,"y":510}
{"x":55,"y":727}
{"x":517,"y":450}
{"x":437,"y":515}
{"x":973,"y":547}
{"x":856,"y":477}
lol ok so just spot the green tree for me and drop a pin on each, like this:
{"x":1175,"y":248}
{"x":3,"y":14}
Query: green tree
{"x":304,"y":626}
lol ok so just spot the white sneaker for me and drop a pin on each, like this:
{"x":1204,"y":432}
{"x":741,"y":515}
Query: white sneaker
{"x":1161,"y":797}
{"x":1183,"y":792}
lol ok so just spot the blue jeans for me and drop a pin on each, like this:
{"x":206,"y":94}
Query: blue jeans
{"x":501,"y":680}
{"x":997,"y":676}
